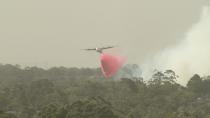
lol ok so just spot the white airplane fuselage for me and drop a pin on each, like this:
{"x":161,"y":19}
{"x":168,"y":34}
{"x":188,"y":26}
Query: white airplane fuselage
{"x":99,"y":50}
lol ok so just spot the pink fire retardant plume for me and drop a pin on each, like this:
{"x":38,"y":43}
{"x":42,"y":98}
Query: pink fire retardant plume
{"x":110,"y":64}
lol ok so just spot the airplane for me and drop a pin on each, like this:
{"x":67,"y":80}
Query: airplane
{"x":99,"y":50}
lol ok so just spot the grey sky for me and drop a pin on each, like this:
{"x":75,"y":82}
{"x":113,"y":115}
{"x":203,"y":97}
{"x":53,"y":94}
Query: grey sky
{"x":53,"y":32}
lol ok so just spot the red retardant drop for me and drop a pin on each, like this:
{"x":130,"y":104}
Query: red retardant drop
{"x":110,"y":64}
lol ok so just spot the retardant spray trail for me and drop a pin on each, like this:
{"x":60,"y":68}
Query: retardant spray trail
{"x":110,"y":64}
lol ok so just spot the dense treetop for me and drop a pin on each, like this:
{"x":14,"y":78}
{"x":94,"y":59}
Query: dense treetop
{"x":61,"y":92}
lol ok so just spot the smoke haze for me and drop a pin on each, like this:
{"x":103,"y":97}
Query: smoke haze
{"x":48,"y":33}
{"x":190,"y":56}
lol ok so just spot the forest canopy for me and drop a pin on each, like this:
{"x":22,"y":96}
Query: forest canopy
{"x":61,"y":92}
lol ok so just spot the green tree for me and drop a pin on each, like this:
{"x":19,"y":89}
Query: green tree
{"x":195,"y":84}
{"x":95,"y":107}
{"x":6,"y":115}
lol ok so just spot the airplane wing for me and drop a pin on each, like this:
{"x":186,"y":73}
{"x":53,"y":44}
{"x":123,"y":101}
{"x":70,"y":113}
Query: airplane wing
{"x":107,"y":47}
{"x":90,"y":49}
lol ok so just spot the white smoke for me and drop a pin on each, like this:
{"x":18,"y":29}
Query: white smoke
{"x":131,"y":71}
{"x":190,"y":56}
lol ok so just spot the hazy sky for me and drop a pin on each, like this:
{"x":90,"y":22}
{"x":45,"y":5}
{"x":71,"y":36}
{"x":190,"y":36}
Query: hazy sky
{"x":52,"y":32}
